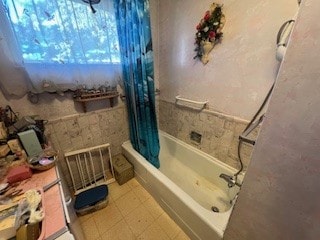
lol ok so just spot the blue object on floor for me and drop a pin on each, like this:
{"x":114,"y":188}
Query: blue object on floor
{"x":91,"y":197}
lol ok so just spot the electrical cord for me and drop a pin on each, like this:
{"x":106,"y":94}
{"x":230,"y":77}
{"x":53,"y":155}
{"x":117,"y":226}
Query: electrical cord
{"x":10,"y":116}
{"x":91,"y":2}
{"x":92,"y":9}
{"x":249,"y":124}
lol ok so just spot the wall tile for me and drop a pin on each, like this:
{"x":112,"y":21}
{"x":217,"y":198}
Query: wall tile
{"x":219,"y":132}
{"x":87,"y":130}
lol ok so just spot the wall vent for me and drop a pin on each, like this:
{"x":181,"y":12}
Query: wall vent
{"x":195,"y":137}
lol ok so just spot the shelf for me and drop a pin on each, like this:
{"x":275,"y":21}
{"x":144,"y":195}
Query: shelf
{"x":94,"y":97}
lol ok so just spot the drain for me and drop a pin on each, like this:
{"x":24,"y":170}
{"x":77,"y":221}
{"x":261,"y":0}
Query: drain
{"x":215,"y":209}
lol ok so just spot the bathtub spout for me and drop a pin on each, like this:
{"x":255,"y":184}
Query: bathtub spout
{"x":230,"y":180}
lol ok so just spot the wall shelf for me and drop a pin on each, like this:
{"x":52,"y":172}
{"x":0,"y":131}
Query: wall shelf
{"x":85,"y":98}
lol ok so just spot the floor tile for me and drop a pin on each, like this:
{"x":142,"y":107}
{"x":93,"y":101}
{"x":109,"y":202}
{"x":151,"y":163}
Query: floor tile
{"x":153,"y":207}
{"x":181,"y":236}
{"x":131,"y":214}
{"x":168,"y":225}
{"x":133,"y":183}
{"x":90,"y":229}
{"x":127,"y":203}
{"x":85,"y":217}
{"x":139,"y":219}
{"x":116,"y":191}
{"x":141,"y":193}
{"x":153,"y":232}
{"x":107,"y":217}
{"x":120,"y":231}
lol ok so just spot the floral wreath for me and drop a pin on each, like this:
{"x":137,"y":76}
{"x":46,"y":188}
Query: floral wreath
{"x":209,"y":32}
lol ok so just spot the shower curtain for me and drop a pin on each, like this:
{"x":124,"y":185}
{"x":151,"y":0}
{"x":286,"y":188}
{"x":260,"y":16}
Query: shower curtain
{"x":134,"y":31}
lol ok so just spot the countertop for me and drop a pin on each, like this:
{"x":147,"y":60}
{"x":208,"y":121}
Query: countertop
{"x":54,"y":220}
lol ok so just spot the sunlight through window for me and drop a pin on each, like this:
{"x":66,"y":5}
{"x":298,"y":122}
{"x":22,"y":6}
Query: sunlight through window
{"x":63,"y":32}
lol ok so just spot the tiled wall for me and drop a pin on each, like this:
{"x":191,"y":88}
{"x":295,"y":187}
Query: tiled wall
{"x":87,"y":130}
{"x":219,"y":132}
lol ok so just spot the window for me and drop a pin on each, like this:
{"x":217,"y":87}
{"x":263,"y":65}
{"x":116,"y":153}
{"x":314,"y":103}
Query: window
{"x":56,"y":45}
{"x":64,"y":31}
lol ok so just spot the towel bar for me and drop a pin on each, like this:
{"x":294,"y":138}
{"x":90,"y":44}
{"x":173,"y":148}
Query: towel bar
{"x":202,"y":104}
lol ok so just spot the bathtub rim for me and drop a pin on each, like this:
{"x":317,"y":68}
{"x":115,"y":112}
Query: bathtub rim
{"x":205,"y":214}
{"x":182,"y":195}
{"x":231,"y":169}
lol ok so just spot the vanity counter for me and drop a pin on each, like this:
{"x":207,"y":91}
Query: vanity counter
{"x":54,"y":222}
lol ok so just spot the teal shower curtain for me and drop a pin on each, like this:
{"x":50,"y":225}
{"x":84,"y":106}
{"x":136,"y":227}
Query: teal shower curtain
{"x":134,"y":31}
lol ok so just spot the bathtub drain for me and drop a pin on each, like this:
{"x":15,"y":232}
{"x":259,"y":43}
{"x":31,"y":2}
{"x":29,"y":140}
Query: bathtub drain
{"x":215,"y":209}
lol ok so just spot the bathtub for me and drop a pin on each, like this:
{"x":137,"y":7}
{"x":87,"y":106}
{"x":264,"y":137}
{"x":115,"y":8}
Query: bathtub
{"x":187,"y":186}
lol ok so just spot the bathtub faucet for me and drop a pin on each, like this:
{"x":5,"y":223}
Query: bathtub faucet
{"x":230,"y":180}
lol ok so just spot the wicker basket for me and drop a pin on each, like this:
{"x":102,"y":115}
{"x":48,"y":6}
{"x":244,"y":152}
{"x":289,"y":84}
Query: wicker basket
{"x":123,"y":170}
{"x":40,"y":167}
{"x":49,"y":164}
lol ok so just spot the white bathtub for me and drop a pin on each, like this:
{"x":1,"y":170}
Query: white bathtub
{"x":187,"y":185}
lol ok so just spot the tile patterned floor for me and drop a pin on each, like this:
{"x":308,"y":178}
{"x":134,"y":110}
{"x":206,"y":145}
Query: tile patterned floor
{"x":132,"y":214}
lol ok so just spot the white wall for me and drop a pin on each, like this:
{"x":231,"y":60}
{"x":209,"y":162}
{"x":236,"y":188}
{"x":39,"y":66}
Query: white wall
{"x":243,"y":66}
{"x":281,"y":192}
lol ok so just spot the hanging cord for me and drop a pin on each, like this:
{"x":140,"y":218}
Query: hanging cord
{"x":249,"y":124}
{"x":92,"y":9}
{"x":91,"y":2}
{"x":10,"y":119}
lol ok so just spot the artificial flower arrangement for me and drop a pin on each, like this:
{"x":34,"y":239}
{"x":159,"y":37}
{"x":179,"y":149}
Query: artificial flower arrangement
{"x":209,"y":32}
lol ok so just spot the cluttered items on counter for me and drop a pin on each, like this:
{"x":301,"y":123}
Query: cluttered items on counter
{"x":22,"y":141}
{"x":14,"y":145}
{"x":11,"y":125}
{"x":18,"y":173}
{"x":23,"y":216}
{"x":44,"y":161}
{"x":30,"y":142}
{"x":9,"y":193}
